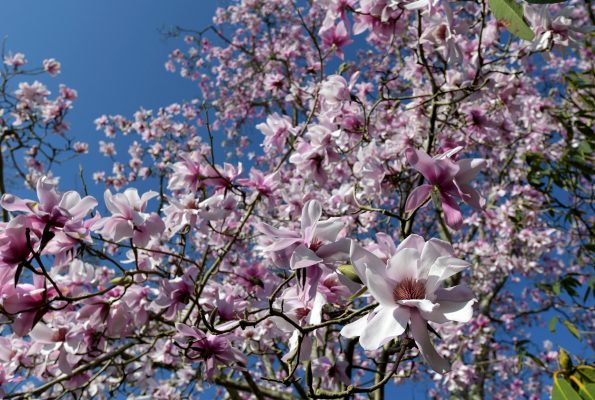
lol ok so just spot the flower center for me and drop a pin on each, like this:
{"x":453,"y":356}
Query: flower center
{"x":409,"y":289}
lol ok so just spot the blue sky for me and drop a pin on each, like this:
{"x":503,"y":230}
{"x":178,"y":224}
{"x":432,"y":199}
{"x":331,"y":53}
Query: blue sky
{"x":112,"y":52}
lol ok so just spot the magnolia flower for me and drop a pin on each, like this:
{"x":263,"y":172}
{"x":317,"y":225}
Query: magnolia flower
{"x":128,"y":219}
{"x":408,"y":288}
{"x":61,"y":210}
{"x":213,"y":350}
{"x":315,"y":245}
{"x":452,"y":179}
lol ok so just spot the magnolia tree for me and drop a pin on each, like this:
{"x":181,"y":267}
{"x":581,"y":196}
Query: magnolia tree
{"x":364,"y":194}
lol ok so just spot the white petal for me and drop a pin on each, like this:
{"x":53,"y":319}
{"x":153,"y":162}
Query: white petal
{"x":303,"y":257}
{"x":388,"y":323}
{"x":421,"y":304}
{"x":443,"y":268}
{"x":456,"y":293}
{"x":433,"y":249}
{"x":413,"y":242}
{"x":404,"y":265}
{"x":468,"y":168}
{"x":380,"y":286}
{"x":310,"y":214}
{"x":336,"y":251}
{"x":42,"y":333}
{"x":328,"y":230}
{"x":315,"y":316}
{"x":362,"y":259}
{"x":457,"y":311}
{"x":356,"y":328}
{"x":419,"y":331}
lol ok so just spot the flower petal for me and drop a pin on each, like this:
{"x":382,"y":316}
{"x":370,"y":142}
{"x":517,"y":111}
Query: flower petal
{"x":381,"y":286}
{"x":422,"y":162}
{"x":452,"y":212}
{"x":303,"y":257}
{"x":403,"y":265}
{"x":362,"y":259}
{"x":310,"y":214}
{"x":419,"y":331}
{"x":433,"y":249}
{"x":423,"y":305}
{"x":329,"y":229}
{"x":443,"y":268}
{"x":336,"y":251}
{"x":418,"y":197}
{"x":468,"y":169}
{"x":413,"y":241}
{"x":388,"y":323}
{"x":355,"y":328}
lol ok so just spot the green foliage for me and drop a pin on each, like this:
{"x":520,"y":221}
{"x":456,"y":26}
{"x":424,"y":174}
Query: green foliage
{"x":510,"y":13}
{"x":573,"y":383}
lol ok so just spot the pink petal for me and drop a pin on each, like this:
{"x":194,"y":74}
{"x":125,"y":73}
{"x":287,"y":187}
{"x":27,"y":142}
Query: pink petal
{"x":418,"y":197}
{"x":419,"y":331}
{"x":403,"y":265}
{"x":388,"y":323}
{"x":452,"y":212}
{"x":311,"y":214}
{"x":362,"y":259}
{"x":413,"y":241}
{"x":303,"y":257}
{"x":380,"y":286}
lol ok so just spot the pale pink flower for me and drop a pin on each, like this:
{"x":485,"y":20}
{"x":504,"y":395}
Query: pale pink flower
{"x":213,"y":350}
{"x":315,"y":245}
{"x":129,"y":219}
{"x":452,"y":179}
{"x":408,"y":288}
{"x":15,"y":60}
{"x":52,"y":66}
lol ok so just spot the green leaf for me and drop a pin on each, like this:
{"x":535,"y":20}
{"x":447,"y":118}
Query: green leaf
{"x":349,"y":271}
{"x":562,"y":390}
{"x":571,"y":328}
{"x":587,"y":373}
{"x":587,"y":391}
{"x":552,"y":324}
{"x":510,"y":13}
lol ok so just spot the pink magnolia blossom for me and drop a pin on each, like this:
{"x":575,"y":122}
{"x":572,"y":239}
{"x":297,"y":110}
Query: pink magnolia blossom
{"x":26,"y":302}
{"x":335,"y":37}
{"x":15,"y":60}
{"x":52,"y":66}
{"x":14,"y":247}
{"x":65,"y":211}
{"x":408,"y":288}
{"x":452,"y":179}
{"x":129,"y":219}
{"x":314,"y":246}
{"x":213,"y":350}
{"x":175,"y":295}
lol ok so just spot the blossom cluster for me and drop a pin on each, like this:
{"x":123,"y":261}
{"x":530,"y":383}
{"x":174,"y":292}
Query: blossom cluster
{"x":366,"y":218}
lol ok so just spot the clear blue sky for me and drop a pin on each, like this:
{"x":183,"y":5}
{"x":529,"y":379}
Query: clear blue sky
{"x":112,"y":52}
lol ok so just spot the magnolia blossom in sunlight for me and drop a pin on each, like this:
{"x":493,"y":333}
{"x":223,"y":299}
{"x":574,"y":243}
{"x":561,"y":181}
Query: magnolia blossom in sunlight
{"x":129,"y":219}
{"x":213,"y":350}
{"x":409,"y":292}
{"x":451,"y":178}
{"x":309,"y":250}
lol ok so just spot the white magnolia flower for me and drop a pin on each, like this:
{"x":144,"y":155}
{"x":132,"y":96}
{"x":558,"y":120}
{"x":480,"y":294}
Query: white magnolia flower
{"x":408,"y":288}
